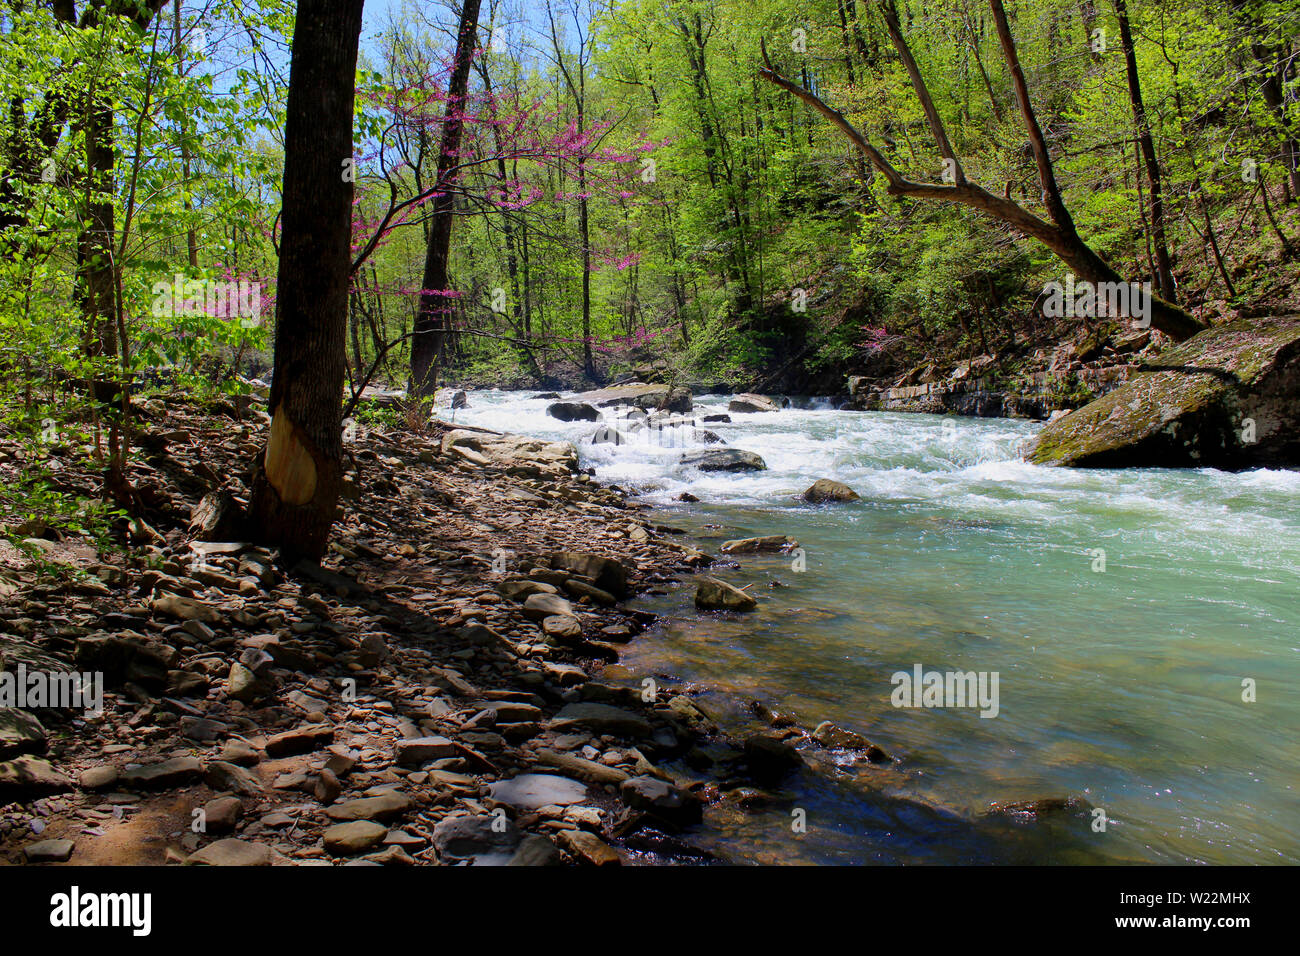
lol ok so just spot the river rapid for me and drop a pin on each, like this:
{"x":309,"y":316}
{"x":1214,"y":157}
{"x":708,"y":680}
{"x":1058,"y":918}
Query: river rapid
{"x":1121,"y":610}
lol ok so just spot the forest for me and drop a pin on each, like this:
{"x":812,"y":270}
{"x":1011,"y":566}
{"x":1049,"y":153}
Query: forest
{"x":289,"y":289}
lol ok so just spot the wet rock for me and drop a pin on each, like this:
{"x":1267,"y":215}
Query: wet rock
{"x":714,"y":595}
{"x":588,"y":848}
{"x":825,"y":490}
{"x":829,"y":735}
{"x":663,"y":799}
{"x":723,"y":459}
{"x":1028,"y":811}
{"x":766,"y":543}
{"x":49,"y":851}
{"x":770,"y":759}
{"x":460,"y":400}
{"x":717,"y":418}
{"x":573,"y":412}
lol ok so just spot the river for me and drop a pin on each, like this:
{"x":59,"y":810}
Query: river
{"x":1124,"y":613}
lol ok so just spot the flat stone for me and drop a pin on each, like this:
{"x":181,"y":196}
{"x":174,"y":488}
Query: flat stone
{"x":345,"y":839}
{"x":232,"y":852}
{"x":185,"y":609}
{"x":384,"y":807}
{"x":538,"y":607}
{"x":222,"y":775}
{"x":589,"y":848}
{"x":176,"y":772}
{"x":483,"y":840}
{"x":98,"y":778}
{"x":412,"y":753}
{"x":49,"y":851}
{"x":528,"y":791}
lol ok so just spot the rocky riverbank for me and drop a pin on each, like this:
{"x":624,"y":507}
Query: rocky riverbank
{"x":429,"y":694}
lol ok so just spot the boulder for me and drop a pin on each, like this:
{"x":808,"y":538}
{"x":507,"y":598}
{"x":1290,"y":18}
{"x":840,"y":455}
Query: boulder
{"x":608,"y":574}
{"x":825,"y":490}
{"x":770,"y":542}
{"x":748,"y":402}
{"x":554,"y":457}
{"x":723,"y":459}
{"x":25,"y":777}
{"x":573,"y":412}
{"x":1228,"y":397}
{"x":460,"y":400}
{"x":714,"y":595}
{"x":20,"y":733}
{"x":673,"y":398}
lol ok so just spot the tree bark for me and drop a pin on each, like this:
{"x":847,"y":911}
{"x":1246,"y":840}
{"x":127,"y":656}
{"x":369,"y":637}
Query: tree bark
{"x":433,"y":320}
{"x":296,"y":488}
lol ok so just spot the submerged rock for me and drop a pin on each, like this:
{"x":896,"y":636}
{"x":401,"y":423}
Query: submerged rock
{"x":723,"y":459}
{"x":825,"y":490}
{"x":770,"y":542}
{"x":1228,"y":397}
{"x":714,"y":595}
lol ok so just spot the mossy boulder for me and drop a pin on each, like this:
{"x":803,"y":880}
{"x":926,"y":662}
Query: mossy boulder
{"x":1227,"y":398}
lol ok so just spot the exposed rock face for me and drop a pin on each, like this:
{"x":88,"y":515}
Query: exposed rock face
{"x":751,"y":403}
{"x":824,"y":490}
{"x":724,"y":459}
{"x":573,"y":412}
{"x":1227,"y":398}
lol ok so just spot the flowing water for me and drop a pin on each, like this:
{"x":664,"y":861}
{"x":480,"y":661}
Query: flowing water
{"x":1121,"y":610}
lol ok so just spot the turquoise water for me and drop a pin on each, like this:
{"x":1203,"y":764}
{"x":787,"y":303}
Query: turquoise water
{"x":1123,"y":685}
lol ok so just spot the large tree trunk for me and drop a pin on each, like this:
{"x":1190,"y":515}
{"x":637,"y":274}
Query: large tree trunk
{"x":433,"y":320}
{"x":295,"y":491}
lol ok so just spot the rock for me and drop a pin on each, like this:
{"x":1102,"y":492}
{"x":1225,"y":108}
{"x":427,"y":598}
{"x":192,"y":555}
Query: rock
{"x":573,"y":412}
{"x":536,"y":850}
{"x":232,"y":852}
{"x":222,"y":814}
{"x":588,"y":848}
{"x":385,"y":807}
{"x":674,"y":399}
{"x":538,"y":607}
{"x":484,"y":840}
{"x":714,"y":595}
{"x":176,"y":772}
{"x":222,"y":775}
{"x":98,"y":778}
{"x":608,"y":574}
{"x":601,"y":719}
{"x":580,"y":589}
{"x":723,"y":459}
{"x":49,"y":851}
{"x":1188,"y":408}
{"x":771,"y":542}
{"x":561,"y":627}
{"x":242,"y":684}
{"x":1026,"y":811}
{"x":301,"y":740}
{"x":748,"y":402}
{"x":20,"y":733}
{"x":460,"y":400}
{"x":581,"y":767}
{"x":687,"y":497}
{"x":528,"y":791}
{"x":358,"y":836}
{"x":413,"y":753}
{"x":663,"y":799}
{"x":515,"y":450}
{"x":769,"y":758}
{"x":327,"y":788}
{"x":520,"y":590}
{"x":725,"y":419}
{"x":826,"y":490}
{"x":185,"y":609}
